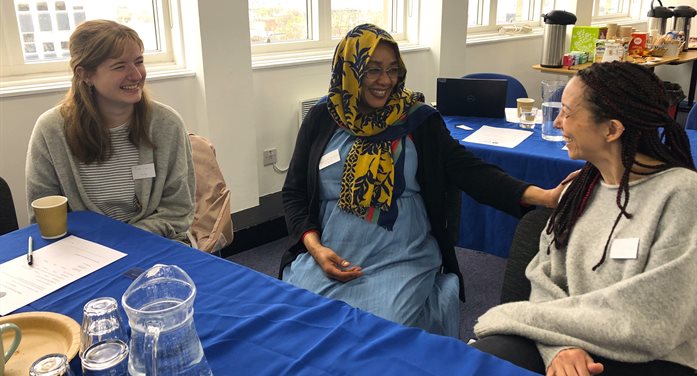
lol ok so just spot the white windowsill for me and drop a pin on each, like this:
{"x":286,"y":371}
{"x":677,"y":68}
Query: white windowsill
{"x":56,"y":83}
{"x":284,"y":59}
{"x":494,"y":37}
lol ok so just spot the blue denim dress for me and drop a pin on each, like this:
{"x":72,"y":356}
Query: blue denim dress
{"x":401,"y":278}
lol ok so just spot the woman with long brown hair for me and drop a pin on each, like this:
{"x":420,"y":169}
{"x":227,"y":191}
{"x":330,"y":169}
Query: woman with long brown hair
{"x":107,"y":147}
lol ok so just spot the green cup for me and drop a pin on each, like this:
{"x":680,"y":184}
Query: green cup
{"x":8,"y":327}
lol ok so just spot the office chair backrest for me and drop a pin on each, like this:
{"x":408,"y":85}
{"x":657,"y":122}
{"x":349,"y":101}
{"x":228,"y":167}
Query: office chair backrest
{"x":691,"y":121}
{"x":8,"y":215}
{"x":525,"y":244}
{"x":515,"y":88}
{"x":212,"y":226}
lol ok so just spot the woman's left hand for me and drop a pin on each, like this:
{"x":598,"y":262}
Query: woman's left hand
{"x":573,"y":362}
{"x":549,"y":198}
{"x":559,"y":189}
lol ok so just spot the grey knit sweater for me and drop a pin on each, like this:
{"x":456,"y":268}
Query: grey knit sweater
{"x":166,"y":201}
{"x":631,"y":310}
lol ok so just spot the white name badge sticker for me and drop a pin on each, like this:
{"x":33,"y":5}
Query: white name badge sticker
{"x":624,"y":248}
{"x":143,"y":171}
{"x":329,"y":159}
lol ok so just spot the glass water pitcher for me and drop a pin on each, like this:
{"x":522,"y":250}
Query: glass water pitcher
{"x":160,"y":309}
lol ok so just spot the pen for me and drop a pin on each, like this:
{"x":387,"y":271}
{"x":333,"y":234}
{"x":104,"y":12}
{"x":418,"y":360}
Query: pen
{"x":30,"y":252}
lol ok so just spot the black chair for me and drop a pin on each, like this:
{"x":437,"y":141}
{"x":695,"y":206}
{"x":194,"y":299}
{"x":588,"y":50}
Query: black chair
{"x":8,"y":215}
{"x":524,"y":247}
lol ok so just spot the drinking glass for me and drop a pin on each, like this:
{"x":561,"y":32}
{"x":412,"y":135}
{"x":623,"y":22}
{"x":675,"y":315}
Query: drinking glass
{"x":51,"y":365}
{"x":105,"y":358}
{"x":551,"y":106}
{"x":527,"y":117}
{"x":101,"y":320}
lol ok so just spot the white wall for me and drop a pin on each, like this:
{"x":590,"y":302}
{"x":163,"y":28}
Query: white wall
{"x":245,"y":110}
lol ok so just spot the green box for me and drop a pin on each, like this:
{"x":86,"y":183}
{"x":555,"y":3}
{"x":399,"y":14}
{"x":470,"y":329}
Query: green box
{"x":583,"y":38}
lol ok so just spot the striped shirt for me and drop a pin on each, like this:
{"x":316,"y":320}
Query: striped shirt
{"x":110,"y":184}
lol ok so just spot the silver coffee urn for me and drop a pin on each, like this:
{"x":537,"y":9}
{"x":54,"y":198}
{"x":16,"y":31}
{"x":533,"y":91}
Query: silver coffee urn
{"x":682,"y":17}
{"x":658,"y":17}
{"x":554,"y":37}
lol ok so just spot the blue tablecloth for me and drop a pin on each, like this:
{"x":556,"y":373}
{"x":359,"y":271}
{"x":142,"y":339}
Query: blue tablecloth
{"x":252,"y":324}
{"x":535,"y":160}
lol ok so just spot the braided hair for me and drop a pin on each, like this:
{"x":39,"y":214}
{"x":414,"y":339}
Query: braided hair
{"x":635,"y":96}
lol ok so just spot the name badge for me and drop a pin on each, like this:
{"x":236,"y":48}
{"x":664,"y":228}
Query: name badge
{"x":329,"y":159}
{"x":143,"y":171}
{"x":624,"y":248}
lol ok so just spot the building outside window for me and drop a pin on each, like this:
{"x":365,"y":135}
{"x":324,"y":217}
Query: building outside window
{"x":294,"y":25}
{"x":36,"y":32}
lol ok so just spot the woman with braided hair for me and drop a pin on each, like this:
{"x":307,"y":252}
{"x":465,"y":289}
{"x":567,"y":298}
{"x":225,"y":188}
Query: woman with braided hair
{"x":367,"y":183}
{"x":613,"y":286}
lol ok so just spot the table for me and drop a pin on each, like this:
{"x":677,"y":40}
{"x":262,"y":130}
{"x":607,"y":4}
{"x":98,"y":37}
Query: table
{"x":682,"y":58}
{"x":535,"y":160}
{"x":686,"y":57}
{"x":252,"y":324}
{"x":575,"y":68}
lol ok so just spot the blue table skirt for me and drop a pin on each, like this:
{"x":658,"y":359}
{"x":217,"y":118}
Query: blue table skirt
{"x":535,"y":160}
{"x":252,"y":324}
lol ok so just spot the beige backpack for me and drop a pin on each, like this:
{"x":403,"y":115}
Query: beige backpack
{"x":211,"y":229}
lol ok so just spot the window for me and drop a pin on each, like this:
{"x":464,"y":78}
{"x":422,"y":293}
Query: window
{"x":490,"y":15}
{"x":486,"y":16}
{"x":278,"y":21}
{"x":35,"y":33}
{"x":291,"y":25}
{"x":614,"y":9}
{"x":348,"y":13}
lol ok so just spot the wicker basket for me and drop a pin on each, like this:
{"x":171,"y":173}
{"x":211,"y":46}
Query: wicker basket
{"x":658,"y":51}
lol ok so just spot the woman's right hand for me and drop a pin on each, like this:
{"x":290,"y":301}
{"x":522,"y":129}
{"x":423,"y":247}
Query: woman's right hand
{"x":574,"y":362}
{"x":333,"y":266}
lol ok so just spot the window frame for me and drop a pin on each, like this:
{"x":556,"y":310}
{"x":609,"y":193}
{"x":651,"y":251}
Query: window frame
{"x":483,"y":34}
{"x":16,"y":73}
{"x":623,"y":5}
{"x":487,"y":11}
{"x":320,"y":39}
{"x":630,"y":12}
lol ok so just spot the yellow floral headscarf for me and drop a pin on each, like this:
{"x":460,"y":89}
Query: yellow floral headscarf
{"x":367,"y":184}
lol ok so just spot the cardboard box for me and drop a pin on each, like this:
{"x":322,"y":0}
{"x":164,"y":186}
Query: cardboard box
{"x":583,"y":38}
{"x":638,"y":43}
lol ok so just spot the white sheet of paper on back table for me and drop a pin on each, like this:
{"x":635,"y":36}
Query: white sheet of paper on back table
{"x":503,"y":137}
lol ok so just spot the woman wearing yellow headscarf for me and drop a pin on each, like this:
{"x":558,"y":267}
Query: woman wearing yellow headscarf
{"x":367,"y":183}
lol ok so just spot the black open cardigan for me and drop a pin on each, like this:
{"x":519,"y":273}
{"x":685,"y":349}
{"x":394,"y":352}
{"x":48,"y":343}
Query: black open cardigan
{"x":444,"y":164}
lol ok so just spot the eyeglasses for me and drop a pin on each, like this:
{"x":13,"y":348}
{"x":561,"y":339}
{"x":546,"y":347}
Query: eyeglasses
{"x":566,"y":112}
{"x":374,"y":73}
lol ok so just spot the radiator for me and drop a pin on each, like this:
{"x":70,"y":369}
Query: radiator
{"x":305,"y":106}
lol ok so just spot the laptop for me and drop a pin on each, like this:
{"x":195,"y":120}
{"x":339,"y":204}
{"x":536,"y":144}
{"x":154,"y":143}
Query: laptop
{"x":479,"y":97}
